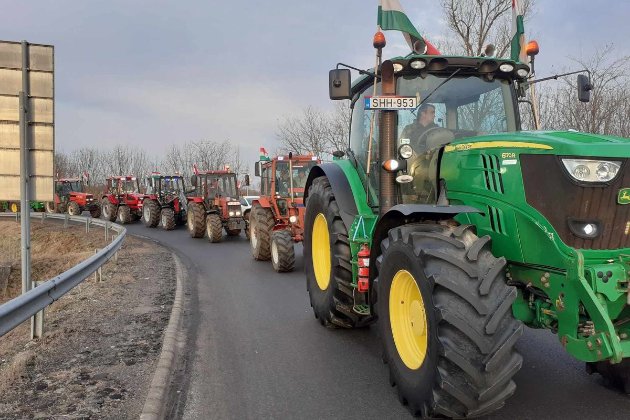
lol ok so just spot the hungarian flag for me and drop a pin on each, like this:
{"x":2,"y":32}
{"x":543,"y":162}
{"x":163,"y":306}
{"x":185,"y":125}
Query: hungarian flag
{"x":518,"y":34}
{"x":263,"y":153}
{"x":391,"y":17}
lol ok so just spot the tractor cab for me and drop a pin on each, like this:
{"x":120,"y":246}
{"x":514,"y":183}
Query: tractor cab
{"x":165,"y":185}
{"x":122,"y":185}
{"x":215,"y":184}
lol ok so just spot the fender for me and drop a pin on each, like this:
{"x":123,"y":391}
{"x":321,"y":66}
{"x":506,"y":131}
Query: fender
{"x":402,"y":214}
{"x":263,"y":201}
{"x":341,"y":187}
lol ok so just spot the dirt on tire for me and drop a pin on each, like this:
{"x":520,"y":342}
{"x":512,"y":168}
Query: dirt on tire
{"x":102,"y":340}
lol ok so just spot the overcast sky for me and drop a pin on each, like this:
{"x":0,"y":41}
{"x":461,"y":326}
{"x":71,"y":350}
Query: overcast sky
{"x":156,"y":72}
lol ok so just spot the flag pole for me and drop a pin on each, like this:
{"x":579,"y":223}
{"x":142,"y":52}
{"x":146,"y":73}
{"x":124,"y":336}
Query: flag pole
{"x":378,"y":44}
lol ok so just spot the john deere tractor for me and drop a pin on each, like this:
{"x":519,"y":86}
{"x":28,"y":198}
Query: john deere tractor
{"x":453,"y":236}
{"x":277,"y":217}
{"x":164,"y":201}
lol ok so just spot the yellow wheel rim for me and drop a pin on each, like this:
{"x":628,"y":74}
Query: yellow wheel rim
{"x":408,"y":319}
{"x":14,"y":207}
{"x":320,"y":246}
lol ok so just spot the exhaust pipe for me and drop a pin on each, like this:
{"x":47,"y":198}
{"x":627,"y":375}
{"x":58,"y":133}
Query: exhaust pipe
{"x":388,"y":127}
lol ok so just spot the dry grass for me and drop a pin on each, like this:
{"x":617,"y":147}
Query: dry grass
{"x":16,"y":369}
{"x":53,"y":251}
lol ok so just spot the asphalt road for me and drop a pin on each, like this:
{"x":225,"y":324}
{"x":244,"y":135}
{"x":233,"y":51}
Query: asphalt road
{"x":255,"y":351}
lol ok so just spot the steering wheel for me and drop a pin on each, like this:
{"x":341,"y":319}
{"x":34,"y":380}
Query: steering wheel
{"x":433,"y":138}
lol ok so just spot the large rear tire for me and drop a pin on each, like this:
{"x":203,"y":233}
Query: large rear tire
{"x":168,"y":219}
{"x":282,"y":251}
{"x":74,"y":209}
{"x":261,"y":225}
{"x":327,"y":260}
{"x":214,"y":228}
{"x":150,"y":213}
{"x":109,"y":210}
{"x":124,"y":215}
{"x":196,"y":222}
{"x":445,"y":318}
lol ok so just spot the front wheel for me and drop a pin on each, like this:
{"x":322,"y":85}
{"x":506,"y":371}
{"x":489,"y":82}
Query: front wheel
{"x":214,"y":228}
{"x":168,"y":219}
{"x":109,"y":210}
{"x":445,"y":318}
{"x":51,"y":207}
{"x":261,"y":223}
{"x":282,"y":251}
{"x":124,"y":215}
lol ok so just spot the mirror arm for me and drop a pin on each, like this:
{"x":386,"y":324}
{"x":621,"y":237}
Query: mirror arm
{"x":359,"y":70}
{"x":555,"y":77}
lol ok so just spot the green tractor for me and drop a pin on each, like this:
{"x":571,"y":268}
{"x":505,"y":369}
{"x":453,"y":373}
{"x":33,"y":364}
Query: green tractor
{"x":453,"y":236}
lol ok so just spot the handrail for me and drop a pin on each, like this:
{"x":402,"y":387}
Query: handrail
{"x":21,"y":308}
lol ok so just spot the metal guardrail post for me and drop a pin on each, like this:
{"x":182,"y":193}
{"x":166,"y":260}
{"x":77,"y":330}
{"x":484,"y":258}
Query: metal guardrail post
{"x":65,"y":221}
{"x":37,"y":321}
{"x":43,"y":217}
{"x":87,"y":224}
{"x":116,"y":254}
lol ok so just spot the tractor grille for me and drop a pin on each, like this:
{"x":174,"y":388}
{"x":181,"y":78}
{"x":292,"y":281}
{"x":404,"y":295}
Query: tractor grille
{"x":492,"y":173}
{"x":551,"y":191}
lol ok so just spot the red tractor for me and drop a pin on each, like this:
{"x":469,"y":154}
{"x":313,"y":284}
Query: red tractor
{"x":276,"y":221}
{"x":122,"y":200}
{"x":70,"y":197}
{"x":214,"y":205}
{"x":164,"y":201}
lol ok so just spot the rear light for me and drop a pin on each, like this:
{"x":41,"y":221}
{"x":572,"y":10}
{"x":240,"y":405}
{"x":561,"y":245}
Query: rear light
{"x":363,"y":263}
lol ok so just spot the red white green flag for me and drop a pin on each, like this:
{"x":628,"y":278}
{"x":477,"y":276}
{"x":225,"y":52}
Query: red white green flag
{"x":391,"y":17}
{"x":518,"y":33}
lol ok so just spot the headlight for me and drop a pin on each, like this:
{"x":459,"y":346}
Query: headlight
{"x":238,"y":213}
{"x":418,"y":64}
{"x":586,"y":170}
{"x":292,"y":219}
{"x":506,"y":67}
{"x":405,"y":151}
{"x":398,"y":67}
{"x":231,"y":214}
{"x":522,"y":73}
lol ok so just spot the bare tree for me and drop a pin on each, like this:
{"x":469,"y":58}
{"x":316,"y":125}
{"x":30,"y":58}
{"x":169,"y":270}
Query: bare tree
{"x":477,"y":23}
{"x":608,"y":112}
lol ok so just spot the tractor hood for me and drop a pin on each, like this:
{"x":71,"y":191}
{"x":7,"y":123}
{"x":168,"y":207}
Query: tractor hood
{"x":81,"y":195}
{"x":564,"y":143}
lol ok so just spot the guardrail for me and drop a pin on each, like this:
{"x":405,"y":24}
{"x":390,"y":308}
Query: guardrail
{"x":21,"y":308}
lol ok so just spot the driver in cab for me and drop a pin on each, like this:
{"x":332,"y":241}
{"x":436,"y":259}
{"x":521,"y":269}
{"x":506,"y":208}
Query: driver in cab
{"x":425,"y":121}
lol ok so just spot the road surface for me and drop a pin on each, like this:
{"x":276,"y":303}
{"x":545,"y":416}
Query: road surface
{"x":255,"y":351}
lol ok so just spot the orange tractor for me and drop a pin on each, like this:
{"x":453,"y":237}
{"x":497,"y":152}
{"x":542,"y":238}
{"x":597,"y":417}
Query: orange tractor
{"x":214,"y":205}
{"x":122,"y":199}
{"x":70,"y":196}
{"x":276,"y":221}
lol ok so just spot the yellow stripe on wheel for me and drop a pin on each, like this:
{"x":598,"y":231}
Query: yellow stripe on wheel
{"x":320,"y":246}
{"x":407,"y":316}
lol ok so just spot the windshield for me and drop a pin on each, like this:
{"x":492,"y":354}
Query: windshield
{"x":127,"y":186}
{"x":461,"y":107}
{"x":68,"y":186}
{"x":223,"y":185}
{"x":172,"y":184}
{"x":300,"y":170}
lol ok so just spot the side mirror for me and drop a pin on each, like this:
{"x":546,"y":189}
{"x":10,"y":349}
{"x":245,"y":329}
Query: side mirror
{"x":257,"y":169}
{"x":339,"y":84}
{"x":193,"y":180}
{"x":584,"y":88}
{"x":247,"y":180}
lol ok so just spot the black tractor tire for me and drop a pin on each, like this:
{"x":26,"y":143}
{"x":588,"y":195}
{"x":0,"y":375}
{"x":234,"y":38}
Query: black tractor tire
{"x":196,"y":222}
{"x":124,"y":215}
{"x":261,"y":223}
{"x":51,"y":207}
{"x":95,"y":210}
{"x":150,"y":213}
{"x":214,"y":228}
{"x":333,"y":301}
{"x":74,"y":209}
{"x":465,"y":365}
{"x":614,"y":375}
{"x":109,"y":210}
{"x":168,"y":219}
{"x":232,"y":232}
{"x":282,"y":251}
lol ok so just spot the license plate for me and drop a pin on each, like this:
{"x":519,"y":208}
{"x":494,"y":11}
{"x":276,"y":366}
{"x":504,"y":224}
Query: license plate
{"x":391,"y":102}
